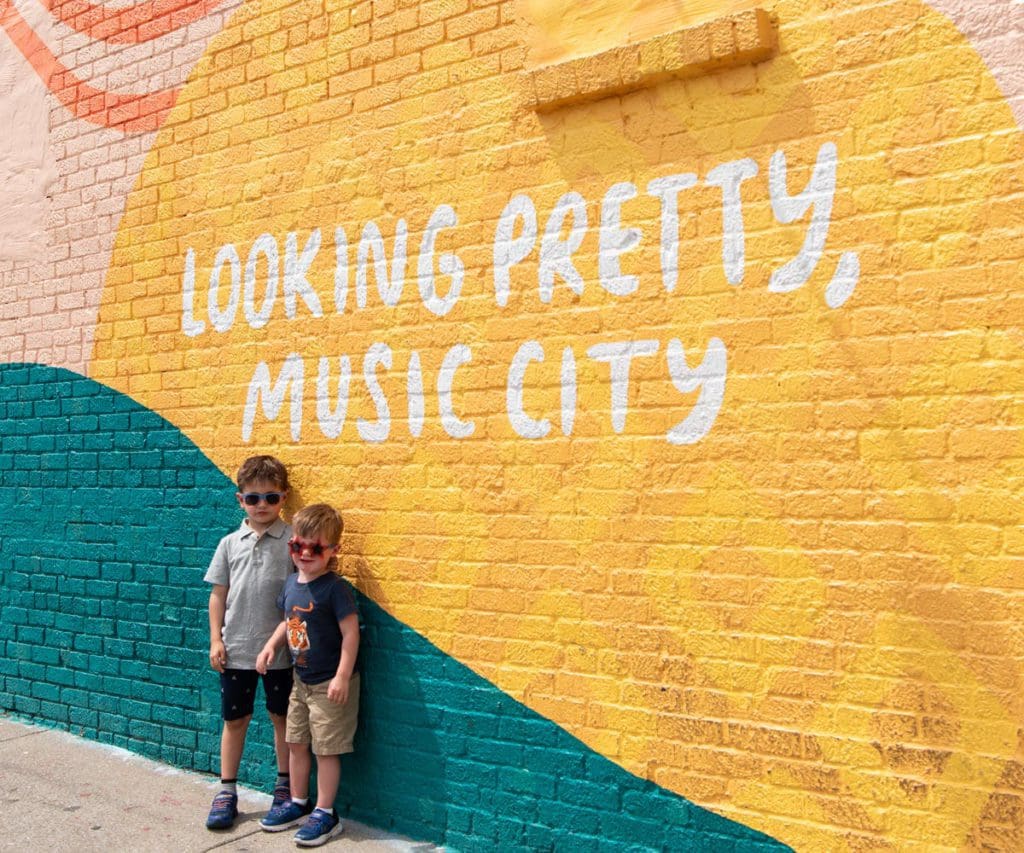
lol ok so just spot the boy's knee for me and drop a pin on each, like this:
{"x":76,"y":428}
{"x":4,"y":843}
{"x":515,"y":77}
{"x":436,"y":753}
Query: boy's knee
{"x":238,"y":725}
{"x":298,"y":747}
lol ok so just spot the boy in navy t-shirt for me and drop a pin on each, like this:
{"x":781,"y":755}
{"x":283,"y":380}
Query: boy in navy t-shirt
{"x":321,"y":626}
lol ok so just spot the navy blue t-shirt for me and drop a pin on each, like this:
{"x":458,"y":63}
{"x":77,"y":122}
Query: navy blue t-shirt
{"x":313,"y":611}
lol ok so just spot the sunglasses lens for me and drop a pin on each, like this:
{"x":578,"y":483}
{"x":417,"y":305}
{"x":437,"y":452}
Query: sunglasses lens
{"x":297,"y":547}
{"x":253,"y":498}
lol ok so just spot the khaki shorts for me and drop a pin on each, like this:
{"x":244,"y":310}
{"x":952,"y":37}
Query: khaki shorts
{"x":313,"y":718}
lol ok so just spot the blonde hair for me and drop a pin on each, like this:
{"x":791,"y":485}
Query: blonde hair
{"x":320,"y":521}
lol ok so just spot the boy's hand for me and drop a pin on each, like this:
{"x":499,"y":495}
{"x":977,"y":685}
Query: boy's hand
{"x":337,"y":690}
{"x":264,"y":660}
{"x":218,"y":657}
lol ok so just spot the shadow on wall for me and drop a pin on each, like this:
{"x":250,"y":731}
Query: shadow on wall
{"x":103,"y":631}
{"x":441,"y":747}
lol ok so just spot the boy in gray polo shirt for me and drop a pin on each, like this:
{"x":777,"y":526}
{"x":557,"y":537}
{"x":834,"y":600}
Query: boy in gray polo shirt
{"x":247,"y":571}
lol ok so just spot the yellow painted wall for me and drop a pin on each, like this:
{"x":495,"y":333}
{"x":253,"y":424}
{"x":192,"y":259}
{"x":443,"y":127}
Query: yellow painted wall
{"x":784,"y":584}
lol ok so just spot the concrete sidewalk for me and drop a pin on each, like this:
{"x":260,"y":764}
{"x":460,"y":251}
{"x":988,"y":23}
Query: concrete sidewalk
{"x":63,"y":793}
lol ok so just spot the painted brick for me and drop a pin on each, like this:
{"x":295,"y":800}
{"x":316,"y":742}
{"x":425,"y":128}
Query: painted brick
{"x":698,"y":616}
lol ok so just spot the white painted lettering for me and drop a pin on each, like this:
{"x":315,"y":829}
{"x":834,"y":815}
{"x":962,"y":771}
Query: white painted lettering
{"x":223,"y":320}
{"x":555,"y":253}
{"x":614,"y":240}
{"x":449,"y":264}
{"x":453,"y":425}
{"x":667,"y":190}
{"x":568,"y":387}
{"x":521,"y":422}
{"x":510,"y":250}
{"x":340,"y":270}
{"x":264,"y":245}
{"x":295,"y":271}
{"x":388,"y":286}
{"x":729,"y":176}
{"x":709,"y":376}
{"x":619,"y":356}
{"x":272,"y":397}
{"x":189,"y":324}
{"x":376,"y":432}
{"x":414,"y":393}
{"x":844,"y":281}
{"x":819,"y":193}
{"x":332,"y":420}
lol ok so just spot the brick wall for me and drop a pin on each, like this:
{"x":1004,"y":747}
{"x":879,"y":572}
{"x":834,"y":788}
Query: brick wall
{"x":104,"y":633}
{"x":664,"y":365}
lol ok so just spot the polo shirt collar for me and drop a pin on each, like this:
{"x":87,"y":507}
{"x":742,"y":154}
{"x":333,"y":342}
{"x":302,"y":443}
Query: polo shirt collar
{"x":276,"y":530}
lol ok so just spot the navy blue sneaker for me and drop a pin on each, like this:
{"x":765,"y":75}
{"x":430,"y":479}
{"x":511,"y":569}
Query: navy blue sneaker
{"x":282,"y":794}
{"x":223,"y":811}
{"x":319,"y":829}
{"x":285,"y":816}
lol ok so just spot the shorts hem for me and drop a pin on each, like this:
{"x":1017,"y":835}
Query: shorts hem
{"x":345,"y":750}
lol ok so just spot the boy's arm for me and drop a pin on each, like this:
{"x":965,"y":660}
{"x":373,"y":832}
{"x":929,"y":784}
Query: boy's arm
{"x":337,"y":690}
{"x":266,"y":656}
{"x":218,"y":607}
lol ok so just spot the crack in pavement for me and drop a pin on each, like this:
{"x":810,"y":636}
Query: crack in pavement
{"x":228,"y":841}
{"x":13,"y":738}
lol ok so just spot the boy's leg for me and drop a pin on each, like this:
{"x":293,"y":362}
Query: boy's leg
{"x":237,"y":697}
{"x":280,"y":744}
{"x":290,"y":812}
{"x":300,"y":763}
{"x":332,"y":727}
{"x":232,"y":743}
{"x":283,"y":783}
{"x":324,"y":823}
{"x":328,"y":775}
{"x":277,"y":688}
{"x":237,"y":692}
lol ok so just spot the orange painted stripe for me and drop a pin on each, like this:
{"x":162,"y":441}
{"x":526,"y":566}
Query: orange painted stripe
{"x":128,"y":113}
{"x":131,"y":24}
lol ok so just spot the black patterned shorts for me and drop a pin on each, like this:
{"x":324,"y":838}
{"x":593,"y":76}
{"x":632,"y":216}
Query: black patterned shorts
{"x":238,"y":691}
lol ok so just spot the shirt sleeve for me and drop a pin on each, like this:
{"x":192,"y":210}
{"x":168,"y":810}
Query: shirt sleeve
{"x":342,"y":600}
{"x":219,"y":572}
{"x":281,"y":595}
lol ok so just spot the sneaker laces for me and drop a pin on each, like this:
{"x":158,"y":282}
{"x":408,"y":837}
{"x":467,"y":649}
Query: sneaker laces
{"x":223,"y":801}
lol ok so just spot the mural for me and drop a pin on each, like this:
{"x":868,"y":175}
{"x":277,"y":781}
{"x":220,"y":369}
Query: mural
{"x":665,"y":365}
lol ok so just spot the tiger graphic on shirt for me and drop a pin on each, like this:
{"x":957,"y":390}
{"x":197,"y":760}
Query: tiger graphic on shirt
{"x":298,"y":636}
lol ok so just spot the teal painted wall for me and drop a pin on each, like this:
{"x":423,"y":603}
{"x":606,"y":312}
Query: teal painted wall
{"x":114,"y":514}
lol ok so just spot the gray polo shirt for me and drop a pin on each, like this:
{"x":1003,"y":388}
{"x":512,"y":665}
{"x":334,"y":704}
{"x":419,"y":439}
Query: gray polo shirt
{"x":253,"y":567}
